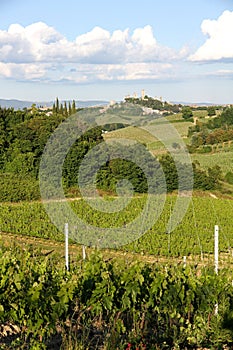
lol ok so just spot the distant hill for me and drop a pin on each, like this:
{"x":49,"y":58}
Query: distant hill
{"x":18,"y":104}
{"x":199,"y":104}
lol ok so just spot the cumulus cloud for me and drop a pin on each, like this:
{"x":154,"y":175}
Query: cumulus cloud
{"x":42,"y":43}
{"x":219,"y":45}
{"x":38,"y":50}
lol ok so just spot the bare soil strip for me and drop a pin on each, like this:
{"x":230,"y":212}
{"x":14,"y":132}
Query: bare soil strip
{"x":48,"y":246}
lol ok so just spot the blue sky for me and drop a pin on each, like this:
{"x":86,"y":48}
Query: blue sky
{"x":180,"y":50}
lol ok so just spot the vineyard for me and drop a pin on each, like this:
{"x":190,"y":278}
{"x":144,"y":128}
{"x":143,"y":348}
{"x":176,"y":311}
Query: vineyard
{"x":156,"y":290}
{"x":194,"y":235}
{"x":223,"y":158}
{"x":107,"y":304}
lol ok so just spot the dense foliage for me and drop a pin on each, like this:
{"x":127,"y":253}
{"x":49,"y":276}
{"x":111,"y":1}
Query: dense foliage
{"x":118,"y":169}
{"x":111,"y":303}
{"x":16,"y":188}
{"x":23,"y":135}
{"x":216,"y":130}
{"x":187,"y":112}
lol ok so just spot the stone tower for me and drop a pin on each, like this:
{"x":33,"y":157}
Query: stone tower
{"x":143,"y":94}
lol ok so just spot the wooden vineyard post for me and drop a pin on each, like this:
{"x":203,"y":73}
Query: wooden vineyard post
{"x":67,"y":246}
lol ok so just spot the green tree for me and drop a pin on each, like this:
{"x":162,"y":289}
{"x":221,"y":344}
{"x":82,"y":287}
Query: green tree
{"x":57,"y":105}
{"x":65,"y":110}
{"x":69,"y":108}
{"x":73,"y":108}
{"x":170,"y":172}
{"x":215,"y":175}
{"x":61,"y":109}
{"x":211,"y":111}
{"x":77,"y":152}
{"x":227,"y":116}
{"x":54,"y":108}
{"x":119,"y":169}
{"x":229,"y":177}
{"x":21,"y":164}
{"x":34,"y":110}
{"x":224,"y":120}
{"x":187,"y":112}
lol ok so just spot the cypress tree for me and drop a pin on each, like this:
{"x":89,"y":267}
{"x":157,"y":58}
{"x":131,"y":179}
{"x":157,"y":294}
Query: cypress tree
{"x":70,"y":109}
{"x":57,"y":105}
{"x":65,"y":109}
{"x":61,"y":109}
{"x":73,"y":109}
{"x":54,"y":109}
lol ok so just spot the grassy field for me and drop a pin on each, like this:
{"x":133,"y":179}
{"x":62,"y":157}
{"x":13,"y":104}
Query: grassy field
{"x":145,"y":137}
{"x":221,"y":156}
{"x":131,"y":133}
{"x":182,"y":128}
{"x":224,"y":159}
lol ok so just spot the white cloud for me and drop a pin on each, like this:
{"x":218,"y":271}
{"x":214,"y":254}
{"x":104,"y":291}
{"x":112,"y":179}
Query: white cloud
{"x":38,"y":50}
{"x":96,"y":35}
{"x":220,"y":73}
{"x":118,"y":72}
{"x":144,"y":37}
{"x":100,"y":47}
{"x":42,"y":43}
{"x":219,"y":45}
{"x":22,"y":71}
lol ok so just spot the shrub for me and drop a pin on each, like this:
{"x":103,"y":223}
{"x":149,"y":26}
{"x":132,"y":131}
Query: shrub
{"x":15,"y":188}
{"x":229,"y":177}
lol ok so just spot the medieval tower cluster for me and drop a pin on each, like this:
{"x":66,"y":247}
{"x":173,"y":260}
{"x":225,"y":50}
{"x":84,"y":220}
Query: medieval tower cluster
{"x":143,"y":96}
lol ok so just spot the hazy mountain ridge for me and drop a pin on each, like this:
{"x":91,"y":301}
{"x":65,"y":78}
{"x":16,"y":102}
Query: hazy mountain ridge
{"x":199,"y":104}
{"x":18,"y":104}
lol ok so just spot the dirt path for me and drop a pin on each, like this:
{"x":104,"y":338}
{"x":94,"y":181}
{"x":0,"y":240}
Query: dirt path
{"x":48,"y":246}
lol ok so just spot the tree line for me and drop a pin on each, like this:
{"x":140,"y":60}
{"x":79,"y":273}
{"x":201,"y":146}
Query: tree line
{"x":63,"y":108}
{"x":23,"y":136}
{"x":216,"y":130}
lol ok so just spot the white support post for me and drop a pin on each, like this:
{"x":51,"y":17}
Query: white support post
{"x":67,"y":246}
{"x":84,"y":252}
{"x":216,"y":238}
{"x":216,"y":231}
{"x":184,"y":261}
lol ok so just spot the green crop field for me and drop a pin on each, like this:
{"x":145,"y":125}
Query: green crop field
{"x":182,"y":128}
{"x":224,"y":159}
{"x":131,"y":133}
{"x":145,"y":137}
{"x":112,"y":293}
{"x":194,"y":235}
